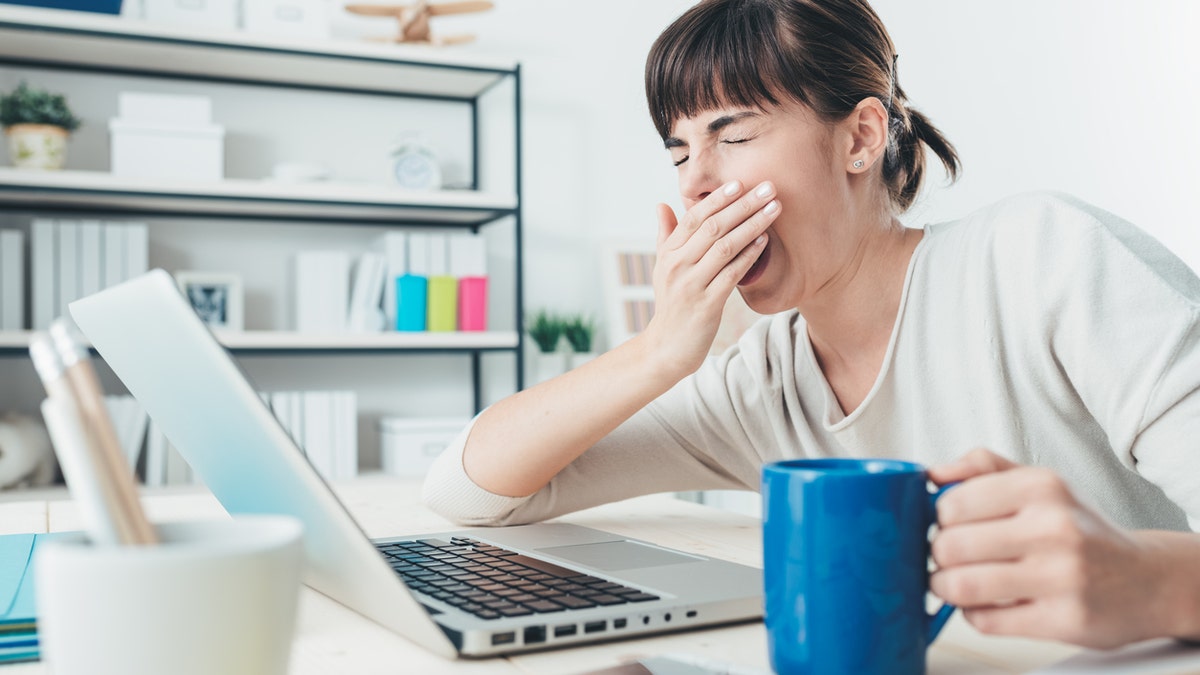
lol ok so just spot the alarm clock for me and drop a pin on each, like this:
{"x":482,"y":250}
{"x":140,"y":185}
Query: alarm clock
{"x":415,"y":166}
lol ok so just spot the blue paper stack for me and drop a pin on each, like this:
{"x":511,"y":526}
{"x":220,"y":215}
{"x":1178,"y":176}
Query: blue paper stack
{"x":18,"y":624}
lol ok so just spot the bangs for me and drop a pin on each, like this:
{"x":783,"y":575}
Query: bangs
{"x":717,"y":55}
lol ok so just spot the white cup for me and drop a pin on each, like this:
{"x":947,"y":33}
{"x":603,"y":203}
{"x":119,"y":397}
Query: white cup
{"x":214,"y":597}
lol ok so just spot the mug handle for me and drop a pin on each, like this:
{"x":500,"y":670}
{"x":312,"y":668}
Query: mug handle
{"x":936,"y":621}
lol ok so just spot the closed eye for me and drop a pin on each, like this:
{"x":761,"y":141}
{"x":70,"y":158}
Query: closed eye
{"x":679,"y":161}
{"x":735,"y":141}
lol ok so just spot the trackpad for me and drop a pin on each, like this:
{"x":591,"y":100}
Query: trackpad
{"x":619,"y":555}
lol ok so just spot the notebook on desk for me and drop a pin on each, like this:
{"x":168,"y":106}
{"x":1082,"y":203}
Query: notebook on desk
{"x":472,"y":592}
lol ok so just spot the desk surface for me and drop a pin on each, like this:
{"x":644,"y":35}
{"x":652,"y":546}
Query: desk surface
{"x":333,"y":639}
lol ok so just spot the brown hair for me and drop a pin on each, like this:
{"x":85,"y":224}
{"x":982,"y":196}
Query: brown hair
{"x":826,"y":54}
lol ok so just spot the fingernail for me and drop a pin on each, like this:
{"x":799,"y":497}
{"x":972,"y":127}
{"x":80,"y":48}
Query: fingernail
{"x":760,"y":240}
{"x":763,"y":190}
{"x":731,"y":189}
{"x":771,"y":208}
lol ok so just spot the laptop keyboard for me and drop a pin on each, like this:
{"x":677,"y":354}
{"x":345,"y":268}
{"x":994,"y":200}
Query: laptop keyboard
{"x":491,"y":582}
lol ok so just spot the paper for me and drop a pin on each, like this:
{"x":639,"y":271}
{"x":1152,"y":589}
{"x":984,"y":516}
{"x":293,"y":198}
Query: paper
{"x":1153,"y":657}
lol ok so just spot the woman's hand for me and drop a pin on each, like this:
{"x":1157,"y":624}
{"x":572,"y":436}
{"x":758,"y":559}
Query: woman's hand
{"x":700,"y":260}
{"x":1020,"y":555}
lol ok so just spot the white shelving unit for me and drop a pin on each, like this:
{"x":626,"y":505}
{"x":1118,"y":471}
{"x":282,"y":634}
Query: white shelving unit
{"x":84,"y":43}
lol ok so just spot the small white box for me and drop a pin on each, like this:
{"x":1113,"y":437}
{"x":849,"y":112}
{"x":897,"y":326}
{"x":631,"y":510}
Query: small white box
{"x":167,"y":152}
{"x":179,"y":110}
{"x":408,"y":446}
{"x":297,"y":18}
{"x":200,"y":14}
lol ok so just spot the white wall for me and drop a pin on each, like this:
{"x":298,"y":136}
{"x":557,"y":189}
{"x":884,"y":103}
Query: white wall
{"x":1096,"y":98}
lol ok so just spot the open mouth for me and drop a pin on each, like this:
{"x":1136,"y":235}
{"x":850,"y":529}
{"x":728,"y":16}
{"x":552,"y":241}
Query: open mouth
{"x":756,"y":270}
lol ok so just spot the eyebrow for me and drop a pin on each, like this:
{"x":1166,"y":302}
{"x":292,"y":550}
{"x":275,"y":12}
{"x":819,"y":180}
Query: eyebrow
{"x":713,"y":127}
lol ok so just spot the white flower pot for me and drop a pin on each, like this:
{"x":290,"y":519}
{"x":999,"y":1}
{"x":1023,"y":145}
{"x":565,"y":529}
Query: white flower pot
{"x":37,"y":146}
{"x":548,"y":365}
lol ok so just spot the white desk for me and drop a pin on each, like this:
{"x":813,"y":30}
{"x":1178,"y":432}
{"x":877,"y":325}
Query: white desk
{"x":333,"y":639}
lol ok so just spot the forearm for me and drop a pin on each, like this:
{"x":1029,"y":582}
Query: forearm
{"x":1174,"y":580}
{"x":520,"y":443}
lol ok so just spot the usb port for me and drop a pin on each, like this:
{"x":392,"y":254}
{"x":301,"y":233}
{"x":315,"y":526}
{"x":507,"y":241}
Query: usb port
{"x":619,"y":623}
{"x":563,"y":631}
{"x":595,"y":626}
{"x":535,"y":634}
{"x":504,"y":638}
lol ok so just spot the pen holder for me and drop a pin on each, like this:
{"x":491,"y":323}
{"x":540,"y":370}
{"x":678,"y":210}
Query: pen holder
{"x":214,"y":597}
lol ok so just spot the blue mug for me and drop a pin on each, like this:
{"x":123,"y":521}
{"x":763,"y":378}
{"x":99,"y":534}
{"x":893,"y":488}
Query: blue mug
{"x":846,"y":566}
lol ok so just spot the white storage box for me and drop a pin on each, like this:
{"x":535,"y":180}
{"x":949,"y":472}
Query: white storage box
{"x":194,"y":153}
{"x":297,"y":18}
{"x":198,"y":14}
{"x":408,"y":446}
{"x":179,"y":110}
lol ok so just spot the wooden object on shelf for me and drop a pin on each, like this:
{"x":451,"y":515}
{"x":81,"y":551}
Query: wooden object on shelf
{"x":414,"y":18}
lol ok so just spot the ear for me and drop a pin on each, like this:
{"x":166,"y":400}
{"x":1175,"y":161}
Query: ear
{"x":864,"y":135}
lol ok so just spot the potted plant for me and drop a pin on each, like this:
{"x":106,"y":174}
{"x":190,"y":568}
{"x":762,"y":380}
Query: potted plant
{"x":546,"y":330}
{"x":37,"y":124}
{"x":580,"y":331}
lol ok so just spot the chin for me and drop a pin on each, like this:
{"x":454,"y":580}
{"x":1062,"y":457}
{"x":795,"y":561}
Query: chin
{"x":760,"y":298}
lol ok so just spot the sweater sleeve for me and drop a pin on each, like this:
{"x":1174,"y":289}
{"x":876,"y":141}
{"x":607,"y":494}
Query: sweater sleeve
{"x":697,"y":436}
{"x":1125,"y":329}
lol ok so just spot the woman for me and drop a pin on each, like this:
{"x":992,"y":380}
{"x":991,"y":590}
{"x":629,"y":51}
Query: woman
{"x":1058,"y":338}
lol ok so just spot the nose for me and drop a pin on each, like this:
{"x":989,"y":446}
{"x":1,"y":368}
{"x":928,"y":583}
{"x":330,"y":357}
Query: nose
{"x":698,"y":177}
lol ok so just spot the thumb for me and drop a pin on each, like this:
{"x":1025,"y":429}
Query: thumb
{"x":666,"y":222}
{"x":975,"y":463}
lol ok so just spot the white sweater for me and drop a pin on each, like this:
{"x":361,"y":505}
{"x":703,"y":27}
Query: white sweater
{"x":1041,"y":327}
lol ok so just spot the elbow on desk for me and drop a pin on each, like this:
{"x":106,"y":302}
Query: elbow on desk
{"x":449,"y":492}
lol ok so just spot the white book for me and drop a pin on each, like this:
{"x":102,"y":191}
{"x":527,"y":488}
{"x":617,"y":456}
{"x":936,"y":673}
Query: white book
{"x":439,"y":255}
{"x":68,"y":265}
{"x":347,"y":433}
{"x":282,"y":410}
{"x":420,"y":261}
{"x":114,"y":254}
{"x":137,"y":249}
{"x":321,"y":287}
{"x":363,"y":315}
{"x":178,"y":472}
{"x":43,"y":262}
{"x":91,"y":257}
{"x":394,"y":248}
{"x":12,"y":280}
{"x":318,"y":432}
{"x":156,"y":457}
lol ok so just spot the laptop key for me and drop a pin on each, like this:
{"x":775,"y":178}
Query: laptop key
{"x":640,"y":597}
{"x":572,"y":602}
{"x":607,"y":600}
{"x":515,"y":611}
{"x":487,"y":614}
{"x":544,"y":606}
{"x":586,"y":580}
{"x":543,"y":566}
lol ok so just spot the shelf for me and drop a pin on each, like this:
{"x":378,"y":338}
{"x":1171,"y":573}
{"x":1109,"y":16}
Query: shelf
{"x":95,"y":191}
{"x":96,"y":42}
{"x":251,"y":342}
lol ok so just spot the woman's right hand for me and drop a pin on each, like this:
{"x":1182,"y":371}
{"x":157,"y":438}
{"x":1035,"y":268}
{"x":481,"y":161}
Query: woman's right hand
{"x":700,"y":260}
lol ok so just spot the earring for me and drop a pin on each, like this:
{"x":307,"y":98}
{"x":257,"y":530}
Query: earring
{"x":858,"y":164}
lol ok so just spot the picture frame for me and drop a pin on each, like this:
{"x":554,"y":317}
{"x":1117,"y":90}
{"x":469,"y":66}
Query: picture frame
{"x":217,"y":297}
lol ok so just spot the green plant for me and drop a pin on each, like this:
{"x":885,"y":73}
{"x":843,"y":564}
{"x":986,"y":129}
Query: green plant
{"x":545,"y":328}
{"x":35,"y":106}
{"x":579,"y":331}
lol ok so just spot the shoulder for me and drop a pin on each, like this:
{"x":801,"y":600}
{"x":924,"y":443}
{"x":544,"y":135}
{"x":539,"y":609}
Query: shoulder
{"x":1051,"y":234}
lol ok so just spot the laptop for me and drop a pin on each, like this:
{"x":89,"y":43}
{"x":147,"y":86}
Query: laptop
{"x":473,"y":593}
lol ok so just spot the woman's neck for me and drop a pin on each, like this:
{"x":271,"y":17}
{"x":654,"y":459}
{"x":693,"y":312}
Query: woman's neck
{"x":851,"y":319}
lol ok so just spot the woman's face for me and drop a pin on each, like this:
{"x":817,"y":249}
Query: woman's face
{"x":790,"y":147}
